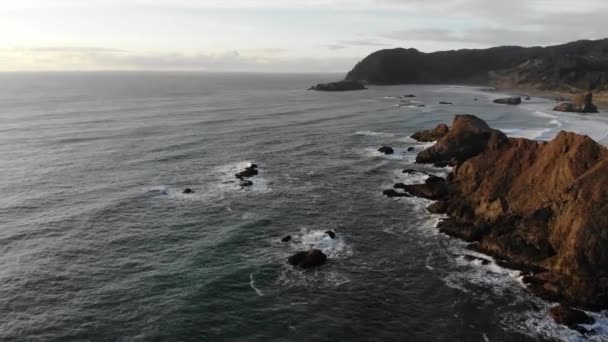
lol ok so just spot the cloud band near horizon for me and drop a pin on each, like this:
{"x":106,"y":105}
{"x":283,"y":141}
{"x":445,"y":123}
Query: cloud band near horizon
{"x":272,"y":35}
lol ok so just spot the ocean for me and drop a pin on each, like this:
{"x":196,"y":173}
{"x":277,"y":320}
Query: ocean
{"x":98,"y":242}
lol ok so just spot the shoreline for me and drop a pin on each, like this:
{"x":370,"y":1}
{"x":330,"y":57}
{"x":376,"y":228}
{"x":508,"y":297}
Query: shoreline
{"x":523,"y":203}
{"x":600,"y":99}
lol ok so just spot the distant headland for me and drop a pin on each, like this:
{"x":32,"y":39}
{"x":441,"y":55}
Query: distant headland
{"x":569,"y":68}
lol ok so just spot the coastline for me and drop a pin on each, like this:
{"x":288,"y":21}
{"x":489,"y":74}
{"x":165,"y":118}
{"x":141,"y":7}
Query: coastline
{"x":521,"y":202}
{"x":600,"y":99}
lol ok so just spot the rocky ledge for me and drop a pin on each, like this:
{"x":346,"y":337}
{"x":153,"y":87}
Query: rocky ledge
{"x":339,"y":86}
{"x":579,"y":104}
{"x":540,"y":207}
{"x":430,"y":135}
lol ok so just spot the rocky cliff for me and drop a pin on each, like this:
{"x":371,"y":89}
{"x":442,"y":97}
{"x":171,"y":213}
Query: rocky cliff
{"x":538,"y":206}
{"x":581,"y":65}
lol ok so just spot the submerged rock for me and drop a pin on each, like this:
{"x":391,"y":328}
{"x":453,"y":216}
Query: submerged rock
{"x":580,"y":104}
{"x":394,"y":193}
{"x":445,"y":103}
{"x":188,"y":191}
{"x":286,"y":238}
{"x":308,"y":259}
{"x":410,"y":149}
{"x":509,"y":100}
{"x":245,"y":183}
{"x":339,"y":86}
{"x":386,"y":150}
{"x":331,"y":234}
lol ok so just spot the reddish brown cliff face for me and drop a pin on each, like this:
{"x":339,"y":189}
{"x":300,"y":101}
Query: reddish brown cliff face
{"x":540,"y":206}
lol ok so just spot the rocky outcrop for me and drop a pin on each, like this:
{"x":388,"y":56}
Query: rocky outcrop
{"x":339,"y":86}
{"x":250,"y":171}
{"x":581,"y":65}
{"x":468,"y":137}
{"x":386,"y":150}
{"x":534,"y":205}
{"x":308,"y":259}
{"x":509,"y":101}
{"x":580,"y":104}
{"x":570,"y":317}
{"x":432,"y":134}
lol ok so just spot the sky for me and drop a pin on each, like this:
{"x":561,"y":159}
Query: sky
{"x":272,"y":35}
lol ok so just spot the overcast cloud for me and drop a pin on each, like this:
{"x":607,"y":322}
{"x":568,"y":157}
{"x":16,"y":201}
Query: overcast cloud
{"x":272,"y":35}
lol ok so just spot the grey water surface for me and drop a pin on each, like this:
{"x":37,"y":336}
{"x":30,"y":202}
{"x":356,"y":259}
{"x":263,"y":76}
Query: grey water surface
{"x":98,"y":243}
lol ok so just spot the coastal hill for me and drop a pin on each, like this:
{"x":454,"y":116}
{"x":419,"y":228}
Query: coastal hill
{"x":572,"y":67}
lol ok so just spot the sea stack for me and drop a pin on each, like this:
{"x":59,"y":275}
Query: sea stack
{"x":579,"y":104}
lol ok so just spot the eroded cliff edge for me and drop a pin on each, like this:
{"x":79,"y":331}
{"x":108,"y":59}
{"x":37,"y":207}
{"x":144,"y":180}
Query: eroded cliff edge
{"x":538,"y":206}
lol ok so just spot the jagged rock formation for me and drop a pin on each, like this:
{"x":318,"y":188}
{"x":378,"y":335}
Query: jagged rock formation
{"x":576,"y":66}
{"x":432,"y":134}
{"x":537,"y":206}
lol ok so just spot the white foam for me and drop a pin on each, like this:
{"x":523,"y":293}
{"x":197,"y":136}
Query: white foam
{"x":375,"y":134}
{"x":228,"y":182}
{"x":161,"y":189}
{"x":538,"y":324}
{"x":556,"y":123}
{"x":528,"y":133}
{"x":408,"y":140}
{"x":252,"y":284}
{"x":474,"y":276}
{"x":322,"y":277}
{"x":544,"y":114}
{"x":334,"y":248}
{"x":325,"y":276}
{"x":399,"y":154}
